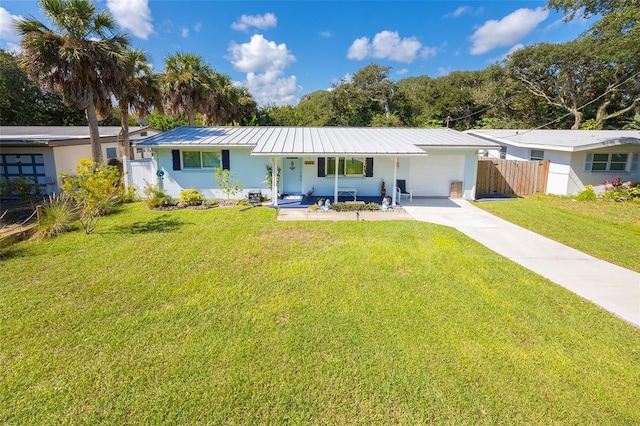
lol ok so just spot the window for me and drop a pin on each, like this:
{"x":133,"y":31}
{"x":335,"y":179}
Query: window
{"x":606,"y":162}
{"x":111,"y":153}
{"x":537,"y":154}
{"x":200,"y":160}
{"x":346,"y":166}
{"x":23,"y":165}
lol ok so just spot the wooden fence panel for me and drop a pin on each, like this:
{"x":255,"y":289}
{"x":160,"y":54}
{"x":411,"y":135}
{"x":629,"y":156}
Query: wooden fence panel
{"x":511,"y":177}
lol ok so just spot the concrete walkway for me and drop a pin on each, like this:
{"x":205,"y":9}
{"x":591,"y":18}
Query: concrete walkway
{"x":612,"y":287}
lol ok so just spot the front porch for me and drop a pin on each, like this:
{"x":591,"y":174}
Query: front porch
{"x":304,"y":201}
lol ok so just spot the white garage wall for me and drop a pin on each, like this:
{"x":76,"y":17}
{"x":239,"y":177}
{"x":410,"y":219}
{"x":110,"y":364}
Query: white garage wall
{"x":432,"y":176}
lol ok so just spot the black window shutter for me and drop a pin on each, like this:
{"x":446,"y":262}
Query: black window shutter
{"x":369,"y":167}
{"x":176,"y":159}
{"x":225,"y":159}
{"x":321,"y":167}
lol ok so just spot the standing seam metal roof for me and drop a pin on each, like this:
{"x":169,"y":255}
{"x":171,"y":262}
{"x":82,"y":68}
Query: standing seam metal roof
{"x":319,"y":140}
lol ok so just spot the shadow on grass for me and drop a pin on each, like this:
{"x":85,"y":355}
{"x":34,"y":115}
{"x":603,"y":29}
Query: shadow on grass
{"x":161,"y":224}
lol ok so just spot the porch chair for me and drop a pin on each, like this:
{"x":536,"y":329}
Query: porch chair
{"x":401,"y":188}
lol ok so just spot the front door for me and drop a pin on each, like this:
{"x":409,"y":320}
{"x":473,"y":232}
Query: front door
{"x":292,"y":176}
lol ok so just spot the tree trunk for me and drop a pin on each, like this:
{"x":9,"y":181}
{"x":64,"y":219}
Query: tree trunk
{"x":94,"y":133}
{"x":124,"y":147}
{"x":577,"y":120}
{"x":192,"y":118}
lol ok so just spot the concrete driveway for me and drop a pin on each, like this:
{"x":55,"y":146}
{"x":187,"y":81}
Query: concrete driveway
{"x":612,"y":287}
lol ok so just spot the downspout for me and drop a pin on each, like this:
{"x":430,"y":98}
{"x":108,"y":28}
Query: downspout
{"x":335,"y":188}
{"x":395,"y":175}
{"x":274,"y":181}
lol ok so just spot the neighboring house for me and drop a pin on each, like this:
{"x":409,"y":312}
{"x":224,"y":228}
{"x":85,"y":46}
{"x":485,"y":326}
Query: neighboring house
{"x":43,"y":152}
{"x":329,"y":161}
{"x":577,"y":157}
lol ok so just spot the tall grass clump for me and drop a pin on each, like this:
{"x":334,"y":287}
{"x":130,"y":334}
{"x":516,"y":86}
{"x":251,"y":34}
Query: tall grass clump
{"x":59,"y":215}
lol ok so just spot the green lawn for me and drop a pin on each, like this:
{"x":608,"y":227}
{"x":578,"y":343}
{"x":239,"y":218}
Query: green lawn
{"x":607,"y":230}
{"x":227,"y":316}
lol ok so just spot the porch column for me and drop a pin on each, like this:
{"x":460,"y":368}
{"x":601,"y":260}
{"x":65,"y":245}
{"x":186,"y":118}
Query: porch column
{"x":274,"y":181}
{"x":335,"y":188}
{"x":395,"y":174}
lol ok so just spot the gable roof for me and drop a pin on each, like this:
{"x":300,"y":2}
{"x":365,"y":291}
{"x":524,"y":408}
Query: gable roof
{"x":56,"y":135}
{"x":560,"y":140}
{"x":278,"y":141}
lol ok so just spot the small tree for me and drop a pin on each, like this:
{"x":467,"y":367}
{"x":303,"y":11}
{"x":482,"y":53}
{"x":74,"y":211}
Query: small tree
{"x":228,"y":182}
{"x":95,"y":189}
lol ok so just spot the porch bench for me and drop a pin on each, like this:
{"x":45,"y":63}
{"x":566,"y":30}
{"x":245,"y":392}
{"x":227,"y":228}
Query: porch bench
{"x":350,"y":191}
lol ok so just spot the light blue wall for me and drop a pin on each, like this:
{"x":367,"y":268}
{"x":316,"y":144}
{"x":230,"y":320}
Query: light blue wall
{"x":249,"y":170}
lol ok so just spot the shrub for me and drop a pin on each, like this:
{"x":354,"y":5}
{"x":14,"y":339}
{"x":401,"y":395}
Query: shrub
{"x":96,"y":190}
{"x":353,"y":207}
{"x":156,"y":197}
{"x":191,"y":197}
{"x":634,"y":193}
{"x":588,"y":194}
{"x":59,"y":215}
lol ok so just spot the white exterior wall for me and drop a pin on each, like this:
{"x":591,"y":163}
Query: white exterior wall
{"x":367,"y":186}
{"x":582,"y":178}
{"x":432,"y":176}
{"x":559,"y":171}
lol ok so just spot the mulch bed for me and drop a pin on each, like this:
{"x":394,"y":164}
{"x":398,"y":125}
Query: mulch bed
{"x":217,"y":203}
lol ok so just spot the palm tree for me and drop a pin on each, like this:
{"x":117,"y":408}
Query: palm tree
{"x":139,"y":91}
{"x":79,"y":57}
{"x":187,"y":85}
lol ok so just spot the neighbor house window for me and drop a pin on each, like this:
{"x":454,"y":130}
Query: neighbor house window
{"x":606,"y":162}
{"x":200,"y":160}
{"x":111,"y":153}
{"x":537,"y":154}
{"x":349,"y":166}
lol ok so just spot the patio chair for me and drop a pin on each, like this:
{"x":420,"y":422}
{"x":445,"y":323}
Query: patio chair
{"x":401,"y":188}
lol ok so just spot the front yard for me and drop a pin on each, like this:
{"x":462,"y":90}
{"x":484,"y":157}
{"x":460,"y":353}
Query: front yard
{"x":607,"y":230}
{"x":227,"y":316}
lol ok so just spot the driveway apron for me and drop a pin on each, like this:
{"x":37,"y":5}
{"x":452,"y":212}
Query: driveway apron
{"x":609,"y":286}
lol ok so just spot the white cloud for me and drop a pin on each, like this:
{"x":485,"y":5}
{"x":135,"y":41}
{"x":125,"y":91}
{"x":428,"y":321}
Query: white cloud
{"x":359,"y":49}
{"x":403,"y":71}
{"x":326,"y":34}
{"x":7,"y":33}
{"x":197,"y":27}
{"x":507,"y":31}
{"x":185,"y":32}
{"x":132,"y":15}
{"x":461,"y":11}
{"x":389,"y":45}
{"x":259,"y":54}
{"x":428,"y":52}
{"x":269,"y":88}
{"x":262,"y":22}
{"x":264,"y":62}
{"x":444,"y":71}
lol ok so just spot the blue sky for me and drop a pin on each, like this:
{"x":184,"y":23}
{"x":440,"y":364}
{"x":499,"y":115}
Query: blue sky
{"x":282,"y":50}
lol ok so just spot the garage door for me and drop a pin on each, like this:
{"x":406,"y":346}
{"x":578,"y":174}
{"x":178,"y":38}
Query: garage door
{"x":432,"y":176}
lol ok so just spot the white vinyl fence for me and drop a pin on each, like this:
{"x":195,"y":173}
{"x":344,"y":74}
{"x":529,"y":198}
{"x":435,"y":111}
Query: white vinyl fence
{"x":140,"y":173}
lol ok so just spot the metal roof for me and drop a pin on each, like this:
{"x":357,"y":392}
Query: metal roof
{"x":50,"y":133}
{"x":560,"y":140}
{"x":55,"y":135}
{"x":276,"y":141}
